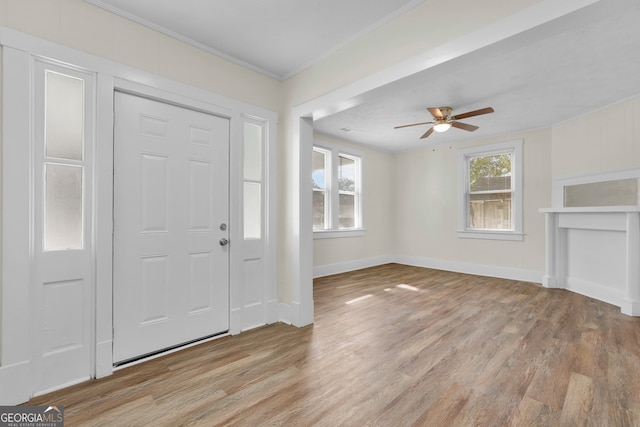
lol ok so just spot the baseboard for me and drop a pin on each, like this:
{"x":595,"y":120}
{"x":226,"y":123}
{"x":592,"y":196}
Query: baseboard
{"x":285,"y":313}
{"x":344,"y":267}
{"x":470,"y":268}
{"x":595,"y":291}
{"x":272,"y":311}
{"x":15,"y":380}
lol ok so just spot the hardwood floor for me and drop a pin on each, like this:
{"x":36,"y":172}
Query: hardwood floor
{"x":393,"y":346}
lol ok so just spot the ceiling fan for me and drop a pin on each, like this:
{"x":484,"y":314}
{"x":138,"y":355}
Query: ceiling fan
{"x":443,"y":120}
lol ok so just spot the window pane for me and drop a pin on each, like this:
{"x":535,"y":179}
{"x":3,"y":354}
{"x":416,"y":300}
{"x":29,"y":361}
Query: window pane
{"x":319,"y":170}
{"x":63,"y":207}
{"x":347,"y":174}
{"x":64,"y":116}
{"x":252,"y":152}
{"x":490,"y":173}
{"x":347,"y":215}
{"x":319,"y":210}
{"x":490,"y":211}
{"x":252,"y":211}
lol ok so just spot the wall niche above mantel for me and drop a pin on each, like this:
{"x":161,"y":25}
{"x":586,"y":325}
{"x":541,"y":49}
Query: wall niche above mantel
{"x":618,"y":192}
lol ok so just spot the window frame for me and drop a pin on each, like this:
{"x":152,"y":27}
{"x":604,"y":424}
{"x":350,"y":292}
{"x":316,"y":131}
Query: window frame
{"x":515,"y":148}
{"x":332,"y":230}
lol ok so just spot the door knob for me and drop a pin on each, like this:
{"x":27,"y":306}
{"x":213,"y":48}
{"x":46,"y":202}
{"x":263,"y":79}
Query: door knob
{"x":224,"y":242}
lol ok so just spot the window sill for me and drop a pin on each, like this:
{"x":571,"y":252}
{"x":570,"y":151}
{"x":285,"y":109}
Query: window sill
{"x":334,"y":234}
{"x":491,"y":235}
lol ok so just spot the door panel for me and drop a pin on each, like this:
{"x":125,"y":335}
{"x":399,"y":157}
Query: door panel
{"x":171,"y":180}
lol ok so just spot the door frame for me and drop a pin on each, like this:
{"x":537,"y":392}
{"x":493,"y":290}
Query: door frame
{"x":18,"y":53}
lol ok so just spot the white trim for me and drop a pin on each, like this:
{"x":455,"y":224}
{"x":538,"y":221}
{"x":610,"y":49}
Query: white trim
{"x":517,"y":176}
{"x":336,"y":234}
{"x":16,"y":387}
{"x":595,"y":290}
{"x":557,"y":186}
{"x":490,"y":235}
{"x":510,"y":273}
{"x":103,"y":184}
{"x":18,"y":49}
{"x":288,"y":312}
{"x":302,"y":306}
{"x":16,"y":210}
{"x":345,"y":267}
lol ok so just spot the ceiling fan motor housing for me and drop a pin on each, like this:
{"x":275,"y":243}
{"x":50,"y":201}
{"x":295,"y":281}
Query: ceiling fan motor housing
{"x":446,"y":112}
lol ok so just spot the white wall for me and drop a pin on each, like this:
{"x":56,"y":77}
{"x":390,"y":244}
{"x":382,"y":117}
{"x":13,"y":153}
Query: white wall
{"x":427,"y":200}
{"x":412,"y":214}
{"x":377,"y":245}
{"x":410,"y":43}
{"x":586,"y":145}
{"x":82,"y":26}
{"x":410,"y":34}
{"x":427,"y":205}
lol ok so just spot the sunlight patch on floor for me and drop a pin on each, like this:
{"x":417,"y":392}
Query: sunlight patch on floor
{"x":359,"y":299}
{"x":407,"y":287}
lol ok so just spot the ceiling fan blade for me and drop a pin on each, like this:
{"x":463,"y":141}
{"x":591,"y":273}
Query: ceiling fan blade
{"x":413,"y":124}
{"x":472,"y":113}
{"x":427,"y":133}
{"x":464,"y":126}
{"x":436,"y":113}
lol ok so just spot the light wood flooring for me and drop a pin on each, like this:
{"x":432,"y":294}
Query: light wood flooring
{"x":393,"y":346}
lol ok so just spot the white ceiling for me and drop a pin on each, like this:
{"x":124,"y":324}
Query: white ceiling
{"x":278,"y":38}
{"x":563,"y":69}
{"x":557,"y":71}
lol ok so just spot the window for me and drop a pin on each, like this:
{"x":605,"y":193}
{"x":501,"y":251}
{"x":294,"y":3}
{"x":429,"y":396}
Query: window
{"x":337,"y":200}
{"x":253,"y":141}
{"x":491,"y":191}
{"x":64,"y":109}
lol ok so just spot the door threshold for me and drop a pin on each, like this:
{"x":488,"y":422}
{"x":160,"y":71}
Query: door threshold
{"x":165,"y":351}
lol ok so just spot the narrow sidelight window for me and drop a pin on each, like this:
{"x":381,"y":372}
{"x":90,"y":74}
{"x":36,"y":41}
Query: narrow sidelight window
{"x":63,"y":166}
{"x":253,"y":137}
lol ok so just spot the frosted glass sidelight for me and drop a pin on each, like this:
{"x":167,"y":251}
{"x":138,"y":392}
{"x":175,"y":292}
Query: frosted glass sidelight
{"x":63,"y":220}
{"x":252,"y":152}
{"x":252,"y":211}
{"x":64,"y":116}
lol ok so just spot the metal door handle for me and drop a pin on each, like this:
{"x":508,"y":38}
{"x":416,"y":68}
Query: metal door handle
{"x":224,"y":242}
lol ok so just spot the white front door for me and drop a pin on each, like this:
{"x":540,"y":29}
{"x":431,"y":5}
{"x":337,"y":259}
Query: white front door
{"x":171,"y":210}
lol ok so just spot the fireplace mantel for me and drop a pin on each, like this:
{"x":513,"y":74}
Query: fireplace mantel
{"x":595,"y":251}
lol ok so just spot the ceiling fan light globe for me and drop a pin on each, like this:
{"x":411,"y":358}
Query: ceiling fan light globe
{"x":442,"y":127}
